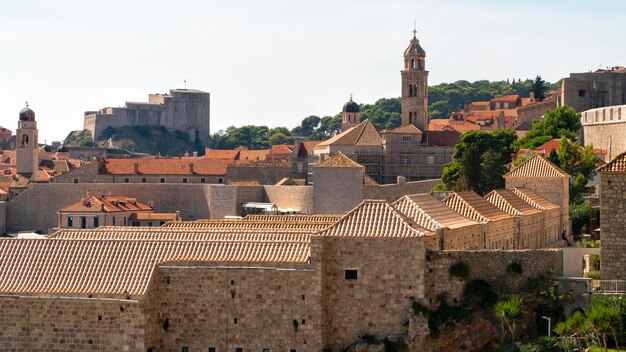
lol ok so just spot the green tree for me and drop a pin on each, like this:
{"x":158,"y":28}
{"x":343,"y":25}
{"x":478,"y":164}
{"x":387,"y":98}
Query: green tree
{"x":478,"y":161}
{"x":564,"y":121}
{"x":307,"y":126}
{"x":510,"y":312}
{"x":539,"y":88}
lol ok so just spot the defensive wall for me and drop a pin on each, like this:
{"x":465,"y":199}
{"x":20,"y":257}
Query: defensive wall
{"x":392,"y":192}
{"x":489,"y":266}
{"x":612,"y":209}
{"x":605,"y":128}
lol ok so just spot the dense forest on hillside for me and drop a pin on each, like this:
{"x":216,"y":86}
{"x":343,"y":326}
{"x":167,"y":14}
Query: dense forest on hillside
{"x":385,"y":112}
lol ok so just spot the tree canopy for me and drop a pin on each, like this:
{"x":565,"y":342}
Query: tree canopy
{"x":564,"y":121}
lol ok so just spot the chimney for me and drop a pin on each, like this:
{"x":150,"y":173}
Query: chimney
{"x":178,"y":215}
{"x":191,"y":168}
{"x":136,"y":168}
{"x":401,"y":180}
{"x":532,"y":97}
{"x":194,"y":154}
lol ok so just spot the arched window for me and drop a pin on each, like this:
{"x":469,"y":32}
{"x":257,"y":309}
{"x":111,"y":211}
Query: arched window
{"x":24,"y":142}
{"x":412,"y":63}
{"x":410,"y":90}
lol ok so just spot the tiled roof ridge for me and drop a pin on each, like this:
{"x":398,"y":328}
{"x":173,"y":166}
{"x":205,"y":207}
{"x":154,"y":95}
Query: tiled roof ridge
{"x":508,"y":207}
{"x":532,"y":159}
{"x":477,"y":216}
{"x":339,"y":160}
{"x":519,"y":191}
{"x":618,"y":164}
{"x":425,"y":216}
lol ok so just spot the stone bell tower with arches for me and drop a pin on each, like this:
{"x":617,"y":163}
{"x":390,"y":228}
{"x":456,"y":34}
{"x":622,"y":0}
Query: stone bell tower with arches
{"x":26,"y":143}
{"x":415,"y":86}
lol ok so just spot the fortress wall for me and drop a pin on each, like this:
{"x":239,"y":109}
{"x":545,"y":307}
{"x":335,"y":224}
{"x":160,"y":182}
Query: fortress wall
{"x":299,"y":198}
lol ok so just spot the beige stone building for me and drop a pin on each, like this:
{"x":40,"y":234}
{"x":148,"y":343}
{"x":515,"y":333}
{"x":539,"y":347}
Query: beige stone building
{"x":185,"y":110}
{"x":415,"y":86}
{"x":605,"y":128}
{"x":612,"y":210}
{"x":591,"y":90}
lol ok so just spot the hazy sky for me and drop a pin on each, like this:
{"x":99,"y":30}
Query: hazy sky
{"x":276,"y":62}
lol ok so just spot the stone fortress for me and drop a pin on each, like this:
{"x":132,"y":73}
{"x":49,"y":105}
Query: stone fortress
{"x":299,"y":282}
{"x":186,"y":110}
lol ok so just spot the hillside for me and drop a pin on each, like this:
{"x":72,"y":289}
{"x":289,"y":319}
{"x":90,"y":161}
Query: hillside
{"x":140,"y":139}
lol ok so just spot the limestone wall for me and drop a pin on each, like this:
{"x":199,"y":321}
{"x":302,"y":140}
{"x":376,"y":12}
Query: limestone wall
{"x":36,"y":208}
{"x":67,"y":324}
{"x":489,"y":266}
{"x":392,"y":192}
{"x":501,"y":234}
{"x":337,"y":190}
{"x":612,"y":210}
{"x":265,"y":174}
{"x":232,"y":306}
{"x":299,"y":198}
{"x":378,"y":301}
{"x":605,"y":128}
{"x":466,"y":237}
{"x":555,"y":190}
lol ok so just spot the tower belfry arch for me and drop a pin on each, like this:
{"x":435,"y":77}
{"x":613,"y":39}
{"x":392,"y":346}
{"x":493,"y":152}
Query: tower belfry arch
{"x":415,"y":85}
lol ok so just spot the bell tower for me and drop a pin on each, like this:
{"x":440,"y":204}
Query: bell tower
{"x":351,"y":115}
{"x":26,"y":143}
{"x":415,"y":86}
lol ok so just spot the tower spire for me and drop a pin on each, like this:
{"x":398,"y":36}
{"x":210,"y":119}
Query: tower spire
{"x":415,"y":29}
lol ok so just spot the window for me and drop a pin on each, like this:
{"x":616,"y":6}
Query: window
{"x":83,"y":222}
{"x":184,"y":180}
{"x":124,"y":221}
{"x":238,"y":349}
{"x":235,"y":320}
{"x":265,"y":350}
{"x":113,"y":221}
{"x":406,"y":138}
{"x":185,"y":349}
{"x":430,"y":159}
{"x":161,"y":223}
{"x":70,"y":221}
{"x":162,"y":180}
{"x":149,"y":223}
{"x":293,"y":350}
{"x":582,"y":93}
{"x":96,"y":221}
{"x":143,"y":180}
{"x":75,"y":180}
{"x":203,"y":180}
{"x":134,"y":223}
{"x":220,"y":180}
{"x":351,"y":274}
{"x":126,"y":180}
{"x":212,"y":349}
{"x":405,"y":160}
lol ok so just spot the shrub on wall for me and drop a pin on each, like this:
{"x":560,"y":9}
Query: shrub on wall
{"x":514,"y":268}
{"x":478,"y":294}
{"x":460,"y":270}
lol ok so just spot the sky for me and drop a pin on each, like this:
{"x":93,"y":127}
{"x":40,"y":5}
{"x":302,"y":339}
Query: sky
{"x":275,"y":62}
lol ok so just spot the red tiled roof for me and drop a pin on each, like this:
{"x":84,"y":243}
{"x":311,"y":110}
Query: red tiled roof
{"x":221,"y":154}
{"x":253,"y":155}
{"x":164,"y":166}
{"x":107,"y":204}
{"x":509,"y":98}
{"x":281,"y":149}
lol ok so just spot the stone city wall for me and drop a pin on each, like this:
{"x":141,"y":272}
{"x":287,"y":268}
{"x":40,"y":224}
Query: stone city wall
{"x":501,"y":234}
{"x":378,"y":300}
{"x":392,"y":192}
{"x":337,"y":190}
{"x":265,"y":174}
{"x":466,"y":237}
{"x":36,"y":208}
{"x":612,"y":210}
{"x":299,"y":198}
{"x":224,"y":306}
{"x":605,"y":128}
{"x":489,"y":266}
{"x":70,"y":324}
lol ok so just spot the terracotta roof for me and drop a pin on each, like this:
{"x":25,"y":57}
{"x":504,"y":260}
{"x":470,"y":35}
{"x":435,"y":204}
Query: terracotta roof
{"x":339,"y":160}
{"x":475,"y":207}
{"x":281,"y":149}
{"x":430,"y":213}
{"x":153,"y":216}
{"x":534,"y":199}
{"x":618,"y":164}
{"x":221,"y":154}
{"x":329,"y":218}
{"x":536,"y":166}
{"x":118,"y":268}
{"x":253,"y":155}
{"x":364,"y":133}
{"x":176,"y":234}
{"x":409,"y":128}
{"x":373,"y":218}
{"x":507,"y":201}
{"x":106,"y":204}
{"x":509,"y":97}
{"x":241,"y":225}
{"x":369,"y":181}
{"x":479,"y":103}
{"x":443,"y":138}
{"x":164,"y":166}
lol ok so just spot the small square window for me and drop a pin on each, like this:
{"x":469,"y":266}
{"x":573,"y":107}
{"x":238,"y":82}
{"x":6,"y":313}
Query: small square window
{"x":162,"y":180}
{"x":265,"y":350}
{"x":184,"y":180}
{"x":185,"y":349}
{"x":75,"y":180}
{"x":203,"y":180}
{"x":351,"y":274}
{"x":212,"y":349}
{"x":238,"y":349}
{"x":406,"y":138}
{"x":293,"y":350}
{"x":220,"y":180}
{"x":126,"y":180}
{"x":143,"y":180}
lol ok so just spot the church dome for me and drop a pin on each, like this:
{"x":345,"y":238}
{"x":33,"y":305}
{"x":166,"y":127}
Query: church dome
{"x":26,"y":114}
{"x":351,"y":106}
{"x":414,"y":48}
